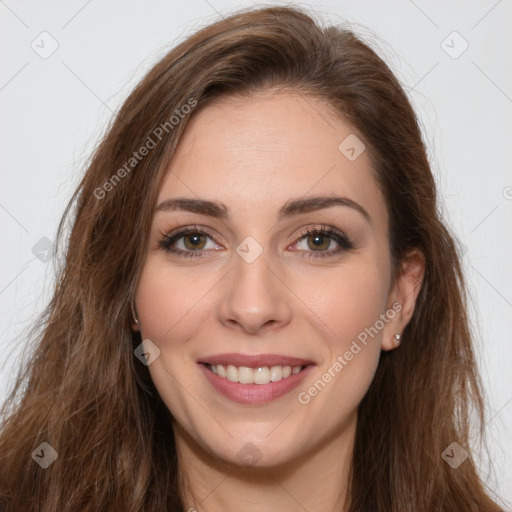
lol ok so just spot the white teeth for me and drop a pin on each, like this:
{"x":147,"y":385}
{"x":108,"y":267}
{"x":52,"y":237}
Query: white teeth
{"x":276,"y":373}
{"x":232,"y":373}
{"x":245,"y":375}
{"x":261,"y":375}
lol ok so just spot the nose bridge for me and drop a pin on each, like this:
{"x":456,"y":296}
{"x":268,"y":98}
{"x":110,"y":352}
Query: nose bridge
{"x":254,"y":296}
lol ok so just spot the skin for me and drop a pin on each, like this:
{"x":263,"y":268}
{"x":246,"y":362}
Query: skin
{"x":254,"y":154}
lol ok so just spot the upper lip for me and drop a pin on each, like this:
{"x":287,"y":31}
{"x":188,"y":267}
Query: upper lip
{"x":255,"y":360}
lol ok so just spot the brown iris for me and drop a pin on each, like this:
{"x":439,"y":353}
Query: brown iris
{"x":196,"y":238}
{"x":315,"y":237}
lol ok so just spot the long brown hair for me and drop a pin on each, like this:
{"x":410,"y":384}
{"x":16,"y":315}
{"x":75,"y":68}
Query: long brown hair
{"x":85,"y":394}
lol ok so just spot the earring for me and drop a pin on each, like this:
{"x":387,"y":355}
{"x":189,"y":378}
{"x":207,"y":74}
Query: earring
{"x":134,"y":315}
{"x":397,"y":339}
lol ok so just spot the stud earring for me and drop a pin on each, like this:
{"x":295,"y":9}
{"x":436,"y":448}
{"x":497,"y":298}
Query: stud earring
{"x":397,"y":339}
{"x":134,"y":315}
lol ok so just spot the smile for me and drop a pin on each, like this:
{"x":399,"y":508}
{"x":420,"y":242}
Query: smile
{"x":254,"y":386}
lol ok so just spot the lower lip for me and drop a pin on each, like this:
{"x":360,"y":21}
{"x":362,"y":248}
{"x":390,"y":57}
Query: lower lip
{"x":254,"y":393}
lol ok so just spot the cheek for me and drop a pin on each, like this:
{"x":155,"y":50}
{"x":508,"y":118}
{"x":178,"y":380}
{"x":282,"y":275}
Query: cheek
{"x":169,"y":304}
{"x":168,"y":300}
{"x":347,"y":300}
{"x":350,"y":304}
{"x":350,"y":307}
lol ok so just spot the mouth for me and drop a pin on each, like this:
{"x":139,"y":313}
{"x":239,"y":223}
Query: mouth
{"x":254,"y":385}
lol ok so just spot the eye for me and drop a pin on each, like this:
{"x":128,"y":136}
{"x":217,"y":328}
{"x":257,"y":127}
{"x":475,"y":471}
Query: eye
{"x":188,"y":242}
{"x":321,"y":239}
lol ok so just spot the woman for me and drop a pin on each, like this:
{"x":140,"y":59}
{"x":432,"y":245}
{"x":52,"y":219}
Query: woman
{"x":260,"y":307}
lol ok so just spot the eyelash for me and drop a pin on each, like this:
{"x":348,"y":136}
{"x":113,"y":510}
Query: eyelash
{"x":341,"y":239}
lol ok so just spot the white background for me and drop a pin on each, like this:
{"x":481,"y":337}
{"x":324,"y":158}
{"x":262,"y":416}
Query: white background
{"x":53,"y":111}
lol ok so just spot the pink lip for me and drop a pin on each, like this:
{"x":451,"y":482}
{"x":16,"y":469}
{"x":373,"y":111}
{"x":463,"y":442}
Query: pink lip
{"x":254,"y":393}
{"x":254,"y":361}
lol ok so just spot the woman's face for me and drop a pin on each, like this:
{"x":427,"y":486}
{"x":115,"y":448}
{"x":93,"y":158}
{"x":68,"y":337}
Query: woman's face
{"x":256,"y":282}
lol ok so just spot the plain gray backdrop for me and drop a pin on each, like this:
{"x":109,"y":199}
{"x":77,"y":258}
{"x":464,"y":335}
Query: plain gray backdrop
{"x":67,"y":67}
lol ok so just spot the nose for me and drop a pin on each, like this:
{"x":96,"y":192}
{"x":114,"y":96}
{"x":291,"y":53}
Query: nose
{"x":255,"y":297}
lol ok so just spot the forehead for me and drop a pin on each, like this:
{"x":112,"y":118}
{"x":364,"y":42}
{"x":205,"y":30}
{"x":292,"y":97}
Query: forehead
{"x":254,"y":154}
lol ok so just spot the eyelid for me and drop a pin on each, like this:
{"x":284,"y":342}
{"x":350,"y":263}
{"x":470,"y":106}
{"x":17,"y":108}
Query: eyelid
{"x":319,"y":228}
{"x":189,"y":228}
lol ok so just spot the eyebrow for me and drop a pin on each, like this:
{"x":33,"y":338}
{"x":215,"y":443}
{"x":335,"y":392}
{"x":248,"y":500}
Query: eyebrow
{"x":219,"y":210}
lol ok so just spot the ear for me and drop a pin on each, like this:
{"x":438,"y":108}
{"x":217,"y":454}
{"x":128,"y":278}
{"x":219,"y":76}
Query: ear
{"x":402,"y":297}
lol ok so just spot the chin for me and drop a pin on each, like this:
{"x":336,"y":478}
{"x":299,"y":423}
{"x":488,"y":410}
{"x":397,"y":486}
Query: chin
{"x":265,"y":451}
